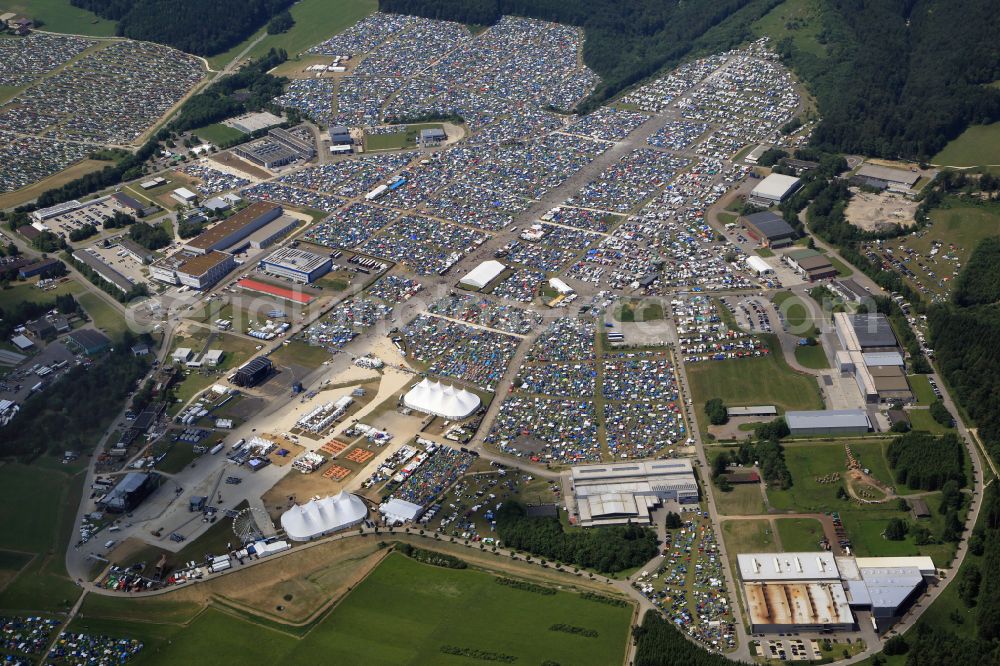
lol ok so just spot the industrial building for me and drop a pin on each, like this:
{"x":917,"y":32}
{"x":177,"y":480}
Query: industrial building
{"x":301,"y":142}
{"x":130,"y":492}
{"x":773,"y":190}
{"x":191,"y":269}
{"x":320,"y":517}
{"x":850,"y":290}
{"x":94,"y":261}
{"x":828,"y":422}
{"x":619,"y":493}
{"x":884,"y":178}
{"x":483,"y":274}
{"x":266,"y":153}
{"x":865,"y":332}
{"x":252,"y":372}
{"x":432,"y":397}
{"x":88,"y":341}
{"x":810,"y":264}
{"x":881,"y":376}
{"x":128,"y":204}
{"x":767,"y":411}
{"x":232,"y":230}
{"x":432,"y":136}
{"x":136,"y":251}
{"x":184,"y":195}
{"x":768,"y":229}
{"x":297,"y":265}
{"x":816,"y":591}
{"x":270,"y":233}
{"x":340,"y":135}
{"x":40,"y":267}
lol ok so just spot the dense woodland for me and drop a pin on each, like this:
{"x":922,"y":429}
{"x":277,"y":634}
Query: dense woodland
{"x":606,"y":549}
{"x":659,"y":643}
{"x":60,"y":420}
{"x":923,"y":461}
{"x":202,"y":28}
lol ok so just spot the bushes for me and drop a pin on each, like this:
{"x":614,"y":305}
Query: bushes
{"x":941,"y":414}
{"x":601,"y":599}
{"x":525,"y":586}
{"x":896,"y":530}
{"x":431,"y":557}
{"x":578,"y":631}
{"x":606,"y":549}
{"x":481,"y":655}
{"x":925,"y":462}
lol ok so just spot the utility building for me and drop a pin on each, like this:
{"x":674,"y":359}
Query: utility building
{"x":773,"y":190}
{"x":619,"y":493}
{"x":769,"y":230}
{"x":297,"y":265}
{"x":828,"y":422}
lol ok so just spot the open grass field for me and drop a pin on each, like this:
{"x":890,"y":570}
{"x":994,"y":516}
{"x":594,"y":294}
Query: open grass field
{"x":299,"y":353}
{"x":31,"y":192}
{"x":404,"y":612}
{"x":922,"y":390}
{"x":960,"y":227}
{"x":217,"y":133}
{"x":6,"y":92}
{"x":61,"y":16}
{"x":798,"y":19}
{"x":978,"y":145}
{"x":799,"y":534}
{"x":742,"y":500}
{"x":765,"y":380}
{"x":921,"y":419}
{"x":104,"y":315}
{"x":27,"y":291}
{"x":814,"y":489}
{"x":812,"y":357}
{"x":315,"y":20}
{"x":41,"y":533}
{"x":398,"y":140}
{"x":748,"y":536}
{"x":632,"y":311}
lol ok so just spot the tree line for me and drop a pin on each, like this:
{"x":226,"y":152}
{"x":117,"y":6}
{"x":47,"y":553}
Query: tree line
{"x":202,"y":28}
{"x":606,"y":549}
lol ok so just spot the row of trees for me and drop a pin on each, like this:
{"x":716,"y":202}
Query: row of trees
{"x":606,"y":549}
{"x":16,"y":314}
{"x":203,"y":28}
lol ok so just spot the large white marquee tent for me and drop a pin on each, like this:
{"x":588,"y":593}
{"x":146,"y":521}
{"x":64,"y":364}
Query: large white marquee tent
{"x":320,"y":517}
{"x":444,"y":401}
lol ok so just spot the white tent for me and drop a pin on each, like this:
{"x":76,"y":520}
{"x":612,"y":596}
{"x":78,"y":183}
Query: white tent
{"x":439,"y":400}
{"x":321,"y":517}
{"x":758,"y":265}
{"x":483,"y":274}
{"x":400,"y":511}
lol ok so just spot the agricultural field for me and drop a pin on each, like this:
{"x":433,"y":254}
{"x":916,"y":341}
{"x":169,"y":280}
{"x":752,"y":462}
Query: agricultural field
{"x":61,"y":16}
{"x":978,"y":145}
{"x":427,"y":607}
{"x":33,"y":543}
{"x":743,"y":500}
{"x":764,"y":380}
{"x":315,"y":20}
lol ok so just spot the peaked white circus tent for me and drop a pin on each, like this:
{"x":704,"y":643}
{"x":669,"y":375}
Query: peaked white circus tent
{"x":321,"y":517}
{"x":444,"y":401}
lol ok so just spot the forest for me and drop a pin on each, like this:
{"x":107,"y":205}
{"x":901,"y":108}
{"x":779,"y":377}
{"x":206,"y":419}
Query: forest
{"x":923,"y":461}
{"x":896,"y":78}
{"x":202,"y":28}
{"x":659,"y":643}
{"x":606,"y":549}
{"x":979,"y":282}
{"x":60,"y":420}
